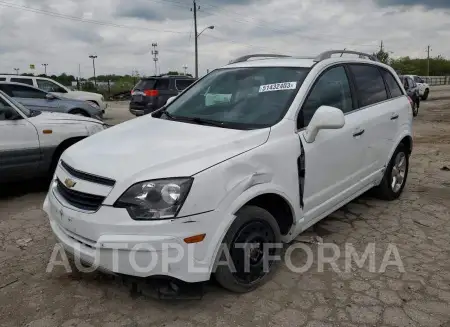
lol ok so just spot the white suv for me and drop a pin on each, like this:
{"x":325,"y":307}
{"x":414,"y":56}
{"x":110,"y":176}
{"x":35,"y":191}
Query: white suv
{"x":253,"y":153}
{"x":424,"y":88}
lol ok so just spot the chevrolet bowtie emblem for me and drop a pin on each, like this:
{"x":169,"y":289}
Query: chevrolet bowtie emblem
{"x":69,"y":183}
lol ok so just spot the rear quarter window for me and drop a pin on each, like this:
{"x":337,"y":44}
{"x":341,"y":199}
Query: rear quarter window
{"x":2,"y":79}
{"x":181,"y":84}
{"x":392,"y":84}
{"x":369,"y":84}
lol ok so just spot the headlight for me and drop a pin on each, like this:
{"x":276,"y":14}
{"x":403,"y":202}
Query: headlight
{"x":93,"y":105}
{"x":156,"y":199}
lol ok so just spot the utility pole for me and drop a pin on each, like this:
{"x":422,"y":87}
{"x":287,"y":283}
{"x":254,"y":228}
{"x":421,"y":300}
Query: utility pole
{"x":381,"y":46}
{"x":17,"y":70}
{"x":185,"y":67}
{"x":196,"y":36}
{"x":155,"y":53}
{"x":428,"y":60}
{"x":45,"y":68}
{"x":93,"y":65}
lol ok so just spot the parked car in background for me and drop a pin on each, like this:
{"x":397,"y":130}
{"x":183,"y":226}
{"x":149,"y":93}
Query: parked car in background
{"x":152,"y":93}
{"x":36,"y":99}
{"x":220,"y":182}
{"x":49,"y":85}
{"x":424,"y":88}
{"x":32,"y":141}
{"x":412,"y":90}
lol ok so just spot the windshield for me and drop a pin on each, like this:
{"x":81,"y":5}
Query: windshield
{"x":254,"y":97}
{"x":24,"y":110}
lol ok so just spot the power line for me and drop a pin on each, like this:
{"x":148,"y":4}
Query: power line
{"x":79,"y":19}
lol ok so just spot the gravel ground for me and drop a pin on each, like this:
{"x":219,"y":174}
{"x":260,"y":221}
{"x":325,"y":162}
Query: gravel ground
{"x":418,"y":224}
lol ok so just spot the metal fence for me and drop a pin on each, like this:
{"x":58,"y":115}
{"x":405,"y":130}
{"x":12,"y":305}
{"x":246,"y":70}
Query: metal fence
{"x":436,"y":80}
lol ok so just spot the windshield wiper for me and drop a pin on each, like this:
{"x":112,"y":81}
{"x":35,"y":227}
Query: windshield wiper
{"x":208,"y":122}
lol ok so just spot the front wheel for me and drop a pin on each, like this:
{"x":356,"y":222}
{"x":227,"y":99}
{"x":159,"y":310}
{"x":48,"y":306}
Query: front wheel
{"x":425,"y":95}
{"x":246,"y":260}
{"x":394,"y":178}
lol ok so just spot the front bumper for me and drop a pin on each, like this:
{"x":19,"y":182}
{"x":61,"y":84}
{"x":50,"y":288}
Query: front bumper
{"x":113,"y":242}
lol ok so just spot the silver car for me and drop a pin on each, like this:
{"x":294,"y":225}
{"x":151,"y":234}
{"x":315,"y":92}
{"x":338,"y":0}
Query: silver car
{"x":36,"y":99}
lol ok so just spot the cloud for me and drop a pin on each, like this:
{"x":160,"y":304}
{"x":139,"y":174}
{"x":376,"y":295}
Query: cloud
{"x":430,"y":4}
{"x":121,"y":32}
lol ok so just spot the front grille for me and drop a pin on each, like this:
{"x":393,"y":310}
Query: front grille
{"x":80,"y":200}
{"x":88,"y":177}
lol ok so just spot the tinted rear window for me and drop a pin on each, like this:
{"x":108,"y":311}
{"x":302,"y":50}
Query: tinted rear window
{"x":153,"y":84}
{"x":369,"y":84}
{"x":394,"y":88}
{"x":145,"y":84}
{"x":28,"y":81}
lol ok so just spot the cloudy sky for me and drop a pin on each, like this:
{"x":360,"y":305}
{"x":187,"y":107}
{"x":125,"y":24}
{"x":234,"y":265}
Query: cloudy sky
{"x":63,"y":33}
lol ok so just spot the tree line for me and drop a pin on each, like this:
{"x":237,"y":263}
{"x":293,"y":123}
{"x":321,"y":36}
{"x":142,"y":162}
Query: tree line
{"x":439,"y":66}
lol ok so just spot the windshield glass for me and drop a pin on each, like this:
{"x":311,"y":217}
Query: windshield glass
{"x":18,"y":105}
{"x":254,"y":97}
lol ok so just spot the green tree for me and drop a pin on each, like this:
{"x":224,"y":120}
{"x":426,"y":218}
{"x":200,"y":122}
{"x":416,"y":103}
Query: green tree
{"x":383,"y":56}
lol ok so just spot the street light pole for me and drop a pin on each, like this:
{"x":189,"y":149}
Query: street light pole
{"x":196,"y":44}
{"x":17,"y":71}
{"x":93,"y":65}
{"x":45,"y":68}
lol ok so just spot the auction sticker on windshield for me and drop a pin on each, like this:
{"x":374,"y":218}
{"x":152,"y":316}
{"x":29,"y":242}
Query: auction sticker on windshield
{"x":278,"y":87}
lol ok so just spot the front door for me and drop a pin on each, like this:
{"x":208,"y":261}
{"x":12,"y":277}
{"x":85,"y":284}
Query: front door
{"x":332,"y":163}
{"x":20,"y":155}
{"x":32,"y":98}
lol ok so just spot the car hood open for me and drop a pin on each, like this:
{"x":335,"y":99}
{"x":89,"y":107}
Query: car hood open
{"x":147,"y":148}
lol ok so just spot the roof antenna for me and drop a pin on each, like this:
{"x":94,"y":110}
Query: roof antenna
{"x":343,"y":51}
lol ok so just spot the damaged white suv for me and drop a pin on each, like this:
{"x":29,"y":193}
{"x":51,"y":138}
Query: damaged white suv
{"x":247,"y":157}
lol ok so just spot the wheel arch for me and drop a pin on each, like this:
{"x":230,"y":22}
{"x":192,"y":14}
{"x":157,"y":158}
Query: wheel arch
{"x":84,"y":112}
{"x":64,"y":145}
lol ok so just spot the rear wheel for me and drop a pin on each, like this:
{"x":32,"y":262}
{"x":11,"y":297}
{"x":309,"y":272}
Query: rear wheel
{"x":249,"y":242}
{"x":79,"y":112}
{"x":394,"y":178}
{"x":425,"y":94}
{"x":415,"y":109}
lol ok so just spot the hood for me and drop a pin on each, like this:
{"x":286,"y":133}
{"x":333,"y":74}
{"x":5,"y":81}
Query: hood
{"x":57,"y":118}
{"x":148,"y":148}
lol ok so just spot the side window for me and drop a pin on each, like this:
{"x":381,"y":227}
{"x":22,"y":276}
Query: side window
{"x":393,"y":86}
{"x":28,"y":81}
{"x":331,"y":89}
{"x":4,"y":108}
{"x":369,"y":84}
{"x":181,"y":84}
{"x":411,"y":83}
{"x":18,"y":91}
{"x":49,"y":86}
{"x":2,"y":79}
{"x":162,"y":84}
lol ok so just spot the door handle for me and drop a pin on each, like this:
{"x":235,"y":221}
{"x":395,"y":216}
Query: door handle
{"x":394,"y":117}
{"x":359,"y":133}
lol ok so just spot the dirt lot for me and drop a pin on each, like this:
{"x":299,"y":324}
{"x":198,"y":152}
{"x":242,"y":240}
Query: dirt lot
{"x":418,"y":224}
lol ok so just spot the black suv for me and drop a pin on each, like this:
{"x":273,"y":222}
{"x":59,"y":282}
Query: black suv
{"x":152,"y":93}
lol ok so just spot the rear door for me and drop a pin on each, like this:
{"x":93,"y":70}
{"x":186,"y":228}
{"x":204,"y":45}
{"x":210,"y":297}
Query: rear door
{"x":20,"y":154}
{"x":379,"y":114}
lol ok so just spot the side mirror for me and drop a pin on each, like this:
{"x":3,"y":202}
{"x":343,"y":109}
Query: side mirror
{"x":324,"y":118}
{"x":170,"y":100}
{"x":50,"y":96}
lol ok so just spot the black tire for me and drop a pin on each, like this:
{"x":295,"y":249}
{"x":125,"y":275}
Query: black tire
{"x":425,"y":95}
{"x":252,"y":225}
{"x":79,"y":112}
{"x":385,"y":190}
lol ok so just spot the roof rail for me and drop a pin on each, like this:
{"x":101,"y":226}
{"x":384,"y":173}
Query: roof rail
{"x":328,"y":54}
{"x":258,"y":55}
